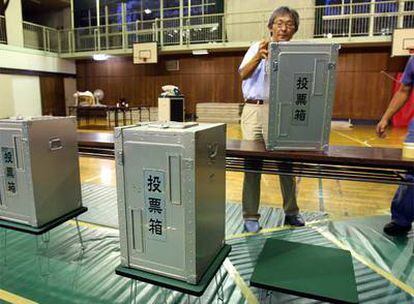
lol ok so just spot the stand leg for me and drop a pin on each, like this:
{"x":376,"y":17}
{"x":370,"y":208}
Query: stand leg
{"x":262,"y":295}
{"x":164,"y":295}
{"x":269,"y":294}
{"x":42,"y":248}
{"x":79,"y":234}
{"x":219,"y":284}
{"x":133,"y":291}
{"x":161,"y":296}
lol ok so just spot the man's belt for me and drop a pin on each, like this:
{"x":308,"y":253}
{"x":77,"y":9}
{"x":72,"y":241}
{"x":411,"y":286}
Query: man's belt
{"x":254,"y":101}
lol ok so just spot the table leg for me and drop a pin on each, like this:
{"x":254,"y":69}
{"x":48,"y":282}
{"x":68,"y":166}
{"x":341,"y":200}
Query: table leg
{"x":108,"y":113}
{"x":321,"y":200}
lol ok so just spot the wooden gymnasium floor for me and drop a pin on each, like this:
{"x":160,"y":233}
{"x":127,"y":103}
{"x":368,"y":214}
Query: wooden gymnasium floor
{"x":340,"y":199}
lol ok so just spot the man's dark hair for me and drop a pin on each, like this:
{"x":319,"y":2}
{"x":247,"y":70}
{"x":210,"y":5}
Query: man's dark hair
{"x":283,"y":11}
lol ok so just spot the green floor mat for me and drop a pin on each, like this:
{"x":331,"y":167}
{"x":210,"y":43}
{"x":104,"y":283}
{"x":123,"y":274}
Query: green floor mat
{"x":365,"y":236}
{"x":315,"y":272}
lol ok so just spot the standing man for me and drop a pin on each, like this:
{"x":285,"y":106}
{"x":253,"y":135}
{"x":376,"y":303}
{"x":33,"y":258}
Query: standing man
{"x":282,"y":25}
{"x":402,"y":206}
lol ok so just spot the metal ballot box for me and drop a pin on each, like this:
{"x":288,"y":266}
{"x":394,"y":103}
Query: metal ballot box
{"x":171,"y":197}
{"x":39,"y":169}
{"x":301,"y":86}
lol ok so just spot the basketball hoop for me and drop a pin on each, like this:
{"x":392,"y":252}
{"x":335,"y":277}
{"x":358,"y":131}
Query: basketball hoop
{"x":145,"y":52}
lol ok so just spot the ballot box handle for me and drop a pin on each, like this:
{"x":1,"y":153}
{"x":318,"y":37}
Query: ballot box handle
{"x":279,"y":117}
{"x":174,"y":166}
{"x":136,"y":229}
{"x":18,"y":148}
{"x":55,"y":144}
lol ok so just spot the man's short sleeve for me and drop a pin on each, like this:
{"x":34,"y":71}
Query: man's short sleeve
{"x":253,"y":49}
{"x":408,"y":77}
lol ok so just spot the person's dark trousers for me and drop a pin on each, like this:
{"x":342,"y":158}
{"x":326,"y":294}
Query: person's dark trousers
{"x":402,"y":206}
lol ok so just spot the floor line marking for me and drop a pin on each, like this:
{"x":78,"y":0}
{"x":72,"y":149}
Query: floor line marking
{"x":13,"y":298}
{"x":385,"y":274}
{"x":240,"y":283}
{"x":273,"y":229}
{"x":364,"y":143}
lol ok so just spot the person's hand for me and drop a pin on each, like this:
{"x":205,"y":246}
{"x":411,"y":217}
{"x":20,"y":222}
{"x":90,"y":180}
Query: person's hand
{"x":381,"y":127}
{"x":262,"y":52}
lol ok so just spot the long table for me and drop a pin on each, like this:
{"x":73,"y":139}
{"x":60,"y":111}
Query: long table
{"x":95,"y":112}
{"x":381,"y":165}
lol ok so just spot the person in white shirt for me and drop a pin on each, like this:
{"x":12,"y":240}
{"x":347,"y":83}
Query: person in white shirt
{"x":282,"y":25}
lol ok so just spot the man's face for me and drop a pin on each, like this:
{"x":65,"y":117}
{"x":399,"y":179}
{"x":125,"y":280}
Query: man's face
{"x":283,"y":28}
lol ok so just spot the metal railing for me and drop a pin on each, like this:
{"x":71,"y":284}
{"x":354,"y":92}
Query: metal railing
{"x":371,"y":19}
{"x":172,"y":31}
{"x":3,"y":36}
{"x":106,"y":37}
{"x":363,"y":19}
{"x":40,"y":37}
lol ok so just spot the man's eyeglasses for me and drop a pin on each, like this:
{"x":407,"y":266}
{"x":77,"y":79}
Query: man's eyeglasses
{"x":288,"y":25}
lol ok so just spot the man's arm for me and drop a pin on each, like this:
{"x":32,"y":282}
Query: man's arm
{"x":397,"y":102}
{"x":247,"y":70}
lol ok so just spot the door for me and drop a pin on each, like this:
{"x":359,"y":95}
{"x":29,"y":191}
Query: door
{"x":53,"y":95}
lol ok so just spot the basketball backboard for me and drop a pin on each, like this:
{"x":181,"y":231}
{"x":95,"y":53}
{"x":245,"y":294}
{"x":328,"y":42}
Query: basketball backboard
{"x":145,"y":53}
{"x":402,"y":42}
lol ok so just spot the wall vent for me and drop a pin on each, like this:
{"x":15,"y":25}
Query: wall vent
{"x":172,"y":65}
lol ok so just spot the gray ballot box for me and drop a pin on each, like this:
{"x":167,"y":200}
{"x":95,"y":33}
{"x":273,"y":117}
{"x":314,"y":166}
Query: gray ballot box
{"x":39,"y":169}
{"x":300,"y":78}
{"x":171,"y":197}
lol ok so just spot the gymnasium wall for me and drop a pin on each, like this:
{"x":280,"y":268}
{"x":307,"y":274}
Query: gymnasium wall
{"x":362,"y":91}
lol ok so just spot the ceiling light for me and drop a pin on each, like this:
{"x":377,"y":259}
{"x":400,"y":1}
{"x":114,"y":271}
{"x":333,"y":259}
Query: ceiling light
{"x":147,"y":11}
{"x":200,"y":52}
{"x":100,"y":57}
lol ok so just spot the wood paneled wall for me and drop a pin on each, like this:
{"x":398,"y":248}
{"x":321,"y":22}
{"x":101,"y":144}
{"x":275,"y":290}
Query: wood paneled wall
{"x":362,"y":91}
{"x":211,"y":78}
